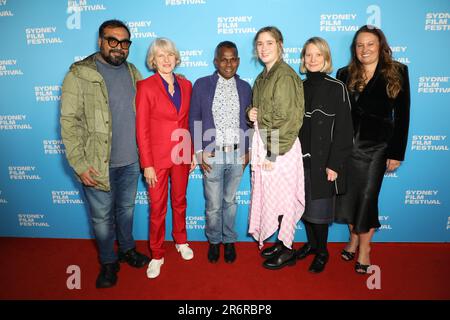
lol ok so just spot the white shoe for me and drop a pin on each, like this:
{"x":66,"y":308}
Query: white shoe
{"x":185,"y":251}
{"x":154,"y":268}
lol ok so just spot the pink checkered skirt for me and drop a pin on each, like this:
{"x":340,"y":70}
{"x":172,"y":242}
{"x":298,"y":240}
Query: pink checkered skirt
{"x":277,"y":192}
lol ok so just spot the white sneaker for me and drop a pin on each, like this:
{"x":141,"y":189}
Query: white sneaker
{"x":154,"y":268}
{"x":185,"y":251}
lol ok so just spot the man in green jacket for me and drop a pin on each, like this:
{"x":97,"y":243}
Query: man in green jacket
{"x":98,"y":131}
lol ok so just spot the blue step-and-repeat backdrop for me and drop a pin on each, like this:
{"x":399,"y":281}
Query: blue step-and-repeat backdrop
{"x":40,"y":39}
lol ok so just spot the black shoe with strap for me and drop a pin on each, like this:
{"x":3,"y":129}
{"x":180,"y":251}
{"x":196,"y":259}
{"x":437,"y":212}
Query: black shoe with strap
{"x":347,"y":255}
{"x":134,"y":258}
{"x":361,"y":268}
{"x":107,"y":277}
{"x":213,"y":252}
{"x":272,"y":251}
{"x":229,"y":252}
{"x":305,"y":251}
{"x":319,"y":262}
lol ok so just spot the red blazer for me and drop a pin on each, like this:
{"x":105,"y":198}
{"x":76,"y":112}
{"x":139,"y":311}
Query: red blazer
{"x":157,"y":120}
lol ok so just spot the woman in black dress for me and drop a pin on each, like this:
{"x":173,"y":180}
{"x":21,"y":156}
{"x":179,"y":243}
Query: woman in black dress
{"x":379,"y":93}
{"x":326,"y":138}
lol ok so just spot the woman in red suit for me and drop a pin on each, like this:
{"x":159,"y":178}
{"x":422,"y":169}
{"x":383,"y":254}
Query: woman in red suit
{"x":162,"y":110}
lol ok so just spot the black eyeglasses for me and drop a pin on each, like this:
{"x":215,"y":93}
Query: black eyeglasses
{"x":113,"y":42}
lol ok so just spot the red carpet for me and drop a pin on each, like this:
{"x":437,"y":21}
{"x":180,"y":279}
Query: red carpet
{"x":36,"y":269}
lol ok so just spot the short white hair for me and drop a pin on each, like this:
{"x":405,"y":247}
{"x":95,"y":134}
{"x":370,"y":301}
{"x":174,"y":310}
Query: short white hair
{"x":163,"y":44}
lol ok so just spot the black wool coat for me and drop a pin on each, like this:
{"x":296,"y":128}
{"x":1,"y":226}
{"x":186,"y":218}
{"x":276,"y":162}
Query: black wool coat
{"x":330,"y":133}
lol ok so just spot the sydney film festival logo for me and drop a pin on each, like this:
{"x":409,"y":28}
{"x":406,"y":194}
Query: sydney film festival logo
{"x":347,"y":21}
{"x":400,"y":54}
{"x":141,"y":29}
{"x":9,"y":67}
{"x":433,"y":85}
{"x":422,"y":197}
{"x":338,"y":22}
{"x":76,"y":7}
{"x":243,"y":197}
{"x":53,"y":147}
{"x":66,"y":197}
{"x":3,"y":9}
{"x":142,"y":198}
{"x":437,"y":21}
{"x":235,"y":25}
{"x":84,"y":5}
{"x":23,"y":173}
{"x":32,"y":220}
{"x":14,"y":122}
{"x":47,"y":93}
{"x":196,"y":174}
{"x":192,"y":59}
{"x":2,"y":199}
{"x":184,"y":2}
{"x":195,"y":222}
{"x":385,"y":222}
{"x":292,"y":56}
{"x":432,"y":143}
{"x":46,"y":35}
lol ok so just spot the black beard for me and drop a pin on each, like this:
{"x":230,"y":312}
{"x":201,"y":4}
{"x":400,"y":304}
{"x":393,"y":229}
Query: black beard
{"x":114,"y":60}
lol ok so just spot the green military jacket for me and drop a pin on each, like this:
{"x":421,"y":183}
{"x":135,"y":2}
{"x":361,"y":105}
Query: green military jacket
{"x":86,"y":119}
{"x":278,"y":95}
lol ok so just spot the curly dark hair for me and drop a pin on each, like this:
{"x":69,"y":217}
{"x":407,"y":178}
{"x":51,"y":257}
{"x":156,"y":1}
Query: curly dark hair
{"x":389,"y":67}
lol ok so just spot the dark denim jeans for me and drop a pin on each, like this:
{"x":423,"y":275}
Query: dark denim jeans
{"x":112,"y":212}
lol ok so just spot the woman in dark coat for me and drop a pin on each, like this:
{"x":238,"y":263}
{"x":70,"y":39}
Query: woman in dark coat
{"x":380,"y":97}
{"x":326,"y":138}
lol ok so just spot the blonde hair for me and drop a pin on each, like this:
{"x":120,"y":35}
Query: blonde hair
{"x":324,"y":49}
{"x":276,"y":34}
{"x":163,"y":44}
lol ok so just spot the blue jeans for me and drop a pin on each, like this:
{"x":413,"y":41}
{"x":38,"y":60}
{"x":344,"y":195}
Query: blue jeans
{"x":112,"y":212}
{"x":220,"y":186}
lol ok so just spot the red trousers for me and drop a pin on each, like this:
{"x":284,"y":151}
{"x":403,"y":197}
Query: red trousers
{"x":179,"y":175}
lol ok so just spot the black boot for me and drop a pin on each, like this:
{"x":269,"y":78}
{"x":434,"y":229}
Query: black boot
{"x":319,"y":262}
{"x":213,"y":252}
{"x":286,"y":257}
{"x":108,"y":275}
{"x":305,"y":251}
{"x":229,"y":252}
{"x":270,"y":252}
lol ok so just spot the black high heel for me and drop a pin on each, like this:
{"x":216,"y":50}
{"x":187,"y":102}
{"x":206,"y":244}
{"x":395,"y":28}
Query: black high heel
{"x":361,"y":267}
{"x":347,"y":255}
